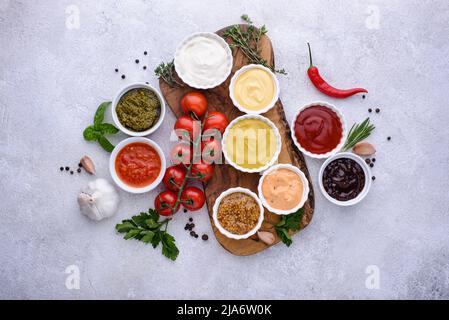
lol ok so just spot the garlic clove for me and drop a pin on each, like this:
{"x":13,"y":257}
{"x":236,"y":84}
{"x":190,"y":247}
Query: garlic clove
{"x":364,"y":149}
{"x":88,"y":164}
{"x":266,"y":237}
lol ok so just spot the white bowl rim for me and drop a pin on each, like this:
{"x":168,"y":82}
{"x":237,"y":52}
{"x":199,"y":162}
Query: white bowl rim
{"x":116,"y":100}
{"x":123,"y":185}
{"x":224,"y":44}
{"x":305,"y":194}
{"x":366,"y":171}
{"x":244,"y":69}
{"x":226,"y":232}
{"x":343,"y":124}
{"x":276,"y":133}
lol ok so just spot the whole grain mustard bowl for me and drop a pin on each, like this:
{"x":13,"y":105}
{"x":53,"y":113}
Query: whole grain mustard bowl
{"x":227,"y":216}
{"x":251,"y":143}
{"x":254,"y":89}
{"x":285,"y":188}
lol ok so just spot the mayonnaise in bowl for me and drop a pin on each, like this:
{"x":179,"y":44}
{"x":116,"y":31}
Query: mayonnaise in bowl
{"x":203,"y":60}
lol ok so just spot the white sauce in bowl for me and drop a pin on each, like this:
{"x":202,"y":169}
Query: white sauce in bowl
{"x":203,"y":61}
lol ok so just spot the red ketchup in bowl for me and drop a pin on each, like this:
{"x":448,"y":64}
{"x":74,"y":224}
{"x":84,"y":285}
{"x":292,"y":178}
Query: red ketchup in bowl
{"x":318,"y":129}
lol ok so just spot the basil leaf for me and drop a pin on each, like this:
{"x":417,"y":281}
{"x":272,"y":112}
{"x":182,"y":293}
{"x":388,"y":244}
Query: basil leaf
{"x":284,"y":236}
{"x":90,"y":134}
{"x":106,"y":128}
{"x":105,"y":144}
{"x":99,"y":115}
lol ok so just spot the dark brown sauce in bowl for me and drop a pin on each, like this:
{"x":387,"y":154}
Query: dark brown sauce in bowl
{"x":343,"y":179}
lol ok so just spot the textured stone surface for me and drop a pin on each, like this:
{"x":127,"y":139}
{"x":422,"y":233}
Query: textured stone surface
{"x":53,"y":76}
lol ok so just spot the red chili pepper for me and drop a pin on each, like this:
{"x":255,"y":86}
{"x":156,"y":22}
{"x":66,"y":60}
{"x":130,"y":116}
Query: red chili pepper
{"x":326,"y":88}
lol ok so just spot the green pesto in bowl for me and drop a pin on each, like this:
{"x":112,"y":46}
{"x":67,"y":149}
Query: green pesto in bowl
{"x":138,"y":109}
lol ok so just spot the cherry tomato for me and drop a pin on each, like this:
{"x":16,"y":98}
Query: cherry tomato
{"x":202,"y":171}
{"x":184,"y":124}
{"x":192,"y":198}
{"x":165,"y":203}
{"x":194,"y":102}
{"x":211,"y":151}
{"x":181,"y":153}
{"x":216,"y":120}
{"x":174,"y":177}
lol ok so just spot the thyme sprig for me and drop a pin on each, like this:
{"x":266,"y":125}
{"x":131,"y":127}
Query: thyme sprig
{"x":249,"y":42}
{"x":165,"y":71}
{"x":358,"y":133}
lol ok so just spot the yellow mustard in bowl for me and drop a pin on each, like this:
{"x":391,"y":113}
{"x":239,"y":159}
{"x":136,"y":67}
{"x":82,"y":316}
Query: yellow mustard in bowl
{"x":254,"y":89}
{"x":251,"y":143}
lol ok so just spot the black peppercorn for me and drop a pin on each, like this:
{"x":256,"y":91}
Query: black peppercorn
{"x":71,"y":172}
{"x":116,"y":70}
{"x":205,"y":237}
{"x":389,"y":138}
{"x":123,"y":76}
{"x":62,"y":168}
{"x":185,"y":210}
{"x":79,"y":170}
{"x":196,"y":236}
{"x":377,"y":110}
{"x":67,"y":168}
{"x":190,"y":219}
{"x":80,"y":165}
{"x":373,"y":178}
{"x":371,"y":165}
{"x":144,"y":67}
{"x":192,"y":233}
{"x":370,"y":110}
{"x":363,"y":97}
{"x":373,"y":160}
{"x":145,"y":53}
{"x":368,"y":161}
{"x":137,"y":60}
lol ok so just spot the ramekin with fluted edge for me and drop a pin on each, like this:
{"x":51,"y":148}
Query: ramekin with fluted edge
{"x":366,"y":171}
{"x":232,"y":86}
{"x":116,"y":100}
{"x":123,"y":185}
{"x":343,"y":124}
{"x":228,"y":158}
{"x":305,"y":193}
{"x":188,"y":80}
{"x":226,"y":232}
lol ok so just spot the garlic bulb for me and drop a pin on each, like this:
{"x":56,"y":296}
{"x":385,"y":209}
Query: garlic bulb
{"x":98,"y":200}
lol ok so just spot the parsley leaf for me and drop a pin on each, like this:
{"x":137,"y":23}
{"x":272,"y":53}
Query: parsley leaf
{"x":291,"y":222}
{"x":146,"y":227}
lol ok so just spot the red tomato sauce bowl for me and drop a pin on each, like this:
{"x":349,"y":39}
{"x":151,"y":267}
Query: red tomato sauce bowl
{"x":319,"y":130}
{"x":137,"y":165}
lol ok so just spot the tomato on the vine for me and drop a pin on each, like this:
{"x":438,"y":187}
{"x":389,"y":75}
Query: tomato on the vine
{"x":174,"y":177}
{"x":215,"y":120}
{"x":187,"y":127}
{"x":202,"y":171}
{"x":211,"y":151}
{"x":194,"y":102}
{"x":192,"y":198}
{"x":181,"y":153}
{"x":165,"y":203}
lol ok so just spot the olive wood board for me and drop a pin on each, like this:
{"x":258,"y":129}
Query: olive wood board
{"x":225,"y":176}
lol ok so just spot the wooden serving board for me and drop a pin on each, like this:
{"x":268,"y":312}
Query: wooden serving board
{"x":225,"y":176}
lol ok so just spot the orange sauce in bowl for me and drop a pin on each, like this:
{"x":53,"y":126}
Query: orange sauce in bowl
{"x":138,"y":164}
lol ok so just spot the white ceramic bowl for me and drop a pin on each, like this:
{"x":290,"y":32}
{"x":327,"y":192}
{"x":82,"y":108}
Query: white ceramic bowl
{"x":117,"y":99}
{"x":232,"y":85}
{"x":305,"y":184}
{"x":275,"y":155}
{"x":184,"y":75}
{"x":366,"y":171}
{"x":123,"y":185}
{"x":343,"y":124}
{"x":226,"y":232}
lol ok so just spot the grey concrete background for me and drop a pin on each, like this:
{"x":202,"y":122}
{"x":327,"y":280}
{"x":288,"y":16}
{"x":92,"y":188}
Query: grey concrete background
{"x":53,"y":76}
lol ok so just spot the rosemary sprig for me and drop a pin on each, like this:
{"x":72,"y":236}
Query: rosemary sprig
{"x":249,"y":42}
{"x":165,"y":71}
{"x":358,"y":133}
